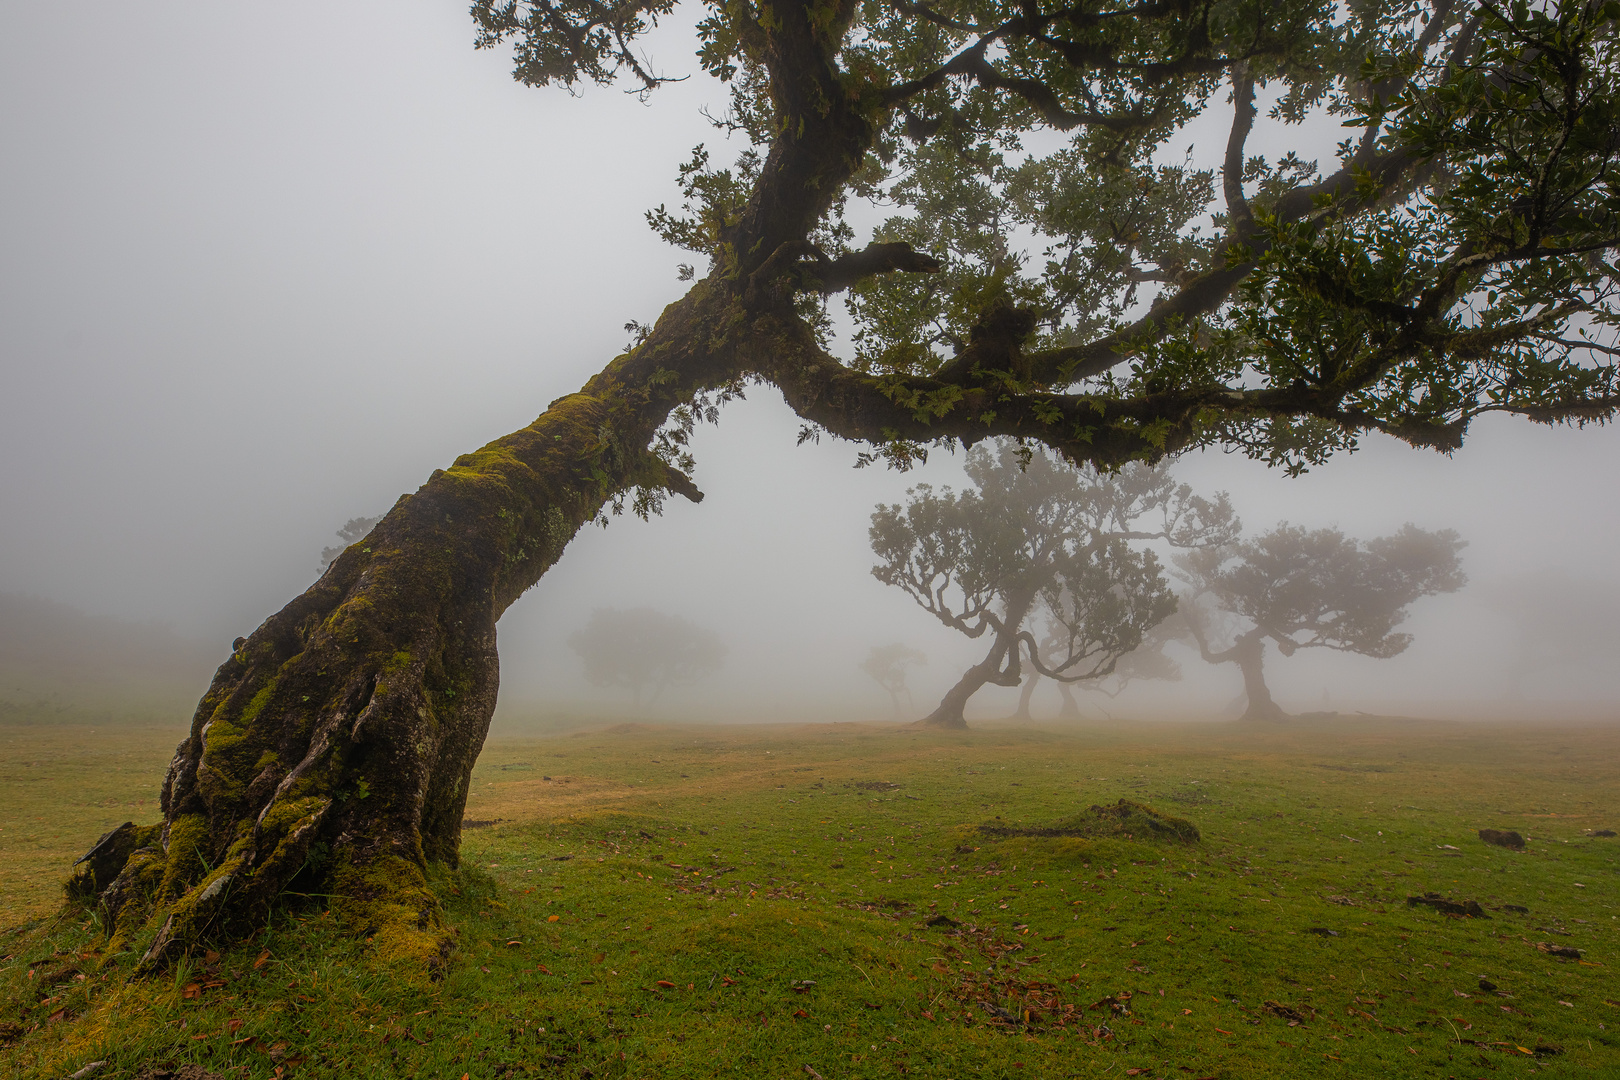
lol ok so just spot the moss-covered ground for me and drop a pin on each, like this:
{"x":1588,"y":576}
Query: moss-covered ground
{"x":772,"y":902}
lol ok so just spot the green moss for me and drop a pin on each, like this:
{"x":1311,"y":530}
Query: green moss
{"x":286,"y":815}
{"x":388,"y":902}
{"x":259,"y":700}
{"x":186,"y":855}
{"x":193,"y":915}
{"x":228,"y":758}
{"x":136,"y":890}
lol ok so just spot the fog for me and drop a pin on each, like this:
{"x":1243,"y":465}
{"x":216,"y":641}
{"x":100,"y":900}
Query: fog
{"x":262,"y":269}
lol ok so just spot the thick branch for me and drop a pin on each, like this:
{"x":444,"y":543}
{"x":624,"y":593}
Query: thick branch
{"x":1208,"y":291}
{"x":832,"y":275}
{"x":1101,"y":670}
{"x":1042,"y":98}
{"x":1243,"y":112}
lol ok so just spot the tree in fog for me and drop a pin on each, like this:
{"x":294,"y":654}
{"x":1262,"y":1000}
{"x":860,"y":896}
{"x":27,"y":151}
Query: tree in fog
{"x":1034,"y":532}
{"x":1148,"y":661}
{"x":351,"y":533}
{"x":1053,"y":268}
{"x":645,"y":651}
{"x":1307,"y":589}
{"x":888,"y":665}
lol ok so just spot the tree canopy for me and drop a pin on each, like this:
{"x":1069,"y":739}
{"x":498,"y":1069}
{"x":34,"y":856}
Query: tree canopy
{"x":1314,"y":589}
{"x":1034,"y":532}
{"x":1056,"y":270}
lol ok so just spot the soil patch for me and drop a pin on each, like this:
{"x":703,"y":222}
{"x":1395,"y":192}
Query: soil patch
{"x":1469,"y":908}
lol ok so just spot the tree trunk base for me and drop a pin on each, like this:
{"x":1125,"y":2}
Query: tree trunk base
{"x":937,"y":722}
{"x":144,"y":878}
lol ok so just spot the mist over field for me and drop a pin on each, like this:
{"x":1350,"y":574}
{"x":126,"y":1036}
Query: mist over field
{"x":257,"y":281}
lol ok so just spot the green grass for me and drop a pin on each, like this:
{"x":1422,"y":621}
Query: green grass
{"x":749,"y":901}
{"x":67,"y":775}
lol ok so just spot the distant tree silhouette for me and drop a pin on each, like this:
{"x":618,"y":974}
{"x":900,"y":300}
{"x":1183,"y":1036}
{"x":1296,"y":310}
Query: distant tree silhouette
{"x":645,"y":651}
{"x":352,"y":533}
{"x":1033,"y":533}
{"x":1311,"y":590}
{"x":887,"y":665}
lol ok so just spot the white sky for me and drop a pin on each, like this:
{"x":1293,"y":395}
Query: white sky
{"x":263,"y":268}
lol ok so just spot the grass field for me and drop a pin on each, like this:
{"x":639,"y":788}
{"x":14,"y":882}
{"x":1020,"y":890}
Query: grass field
{"x":723,"y":901}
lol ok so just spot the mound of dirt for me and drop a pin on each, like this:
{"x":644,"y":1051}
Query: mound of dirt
{"x":1445,"y":906}
{"x":1502,"y":838}
{"x":1125,"y":820}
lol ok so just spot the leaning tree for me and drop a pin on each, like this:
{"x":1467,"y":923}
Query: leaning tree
{"x":645,"y":651}
{"x":1046,"y":275}
{"x":1311,"y":590}
{"x":1034,"y":533}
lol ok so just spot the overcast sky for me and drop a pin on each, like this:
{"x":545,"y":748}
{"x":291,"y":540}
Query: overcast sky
{"x":264,"y":267}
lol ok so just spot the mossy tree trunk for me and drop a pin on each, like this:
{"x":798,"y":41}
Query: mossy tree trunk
{"x":332,"y":753}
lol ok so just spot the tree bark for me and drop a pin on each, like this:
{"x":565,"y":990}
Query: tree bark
{"x":1071,"y":707}
{"x":1249,"y":655}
